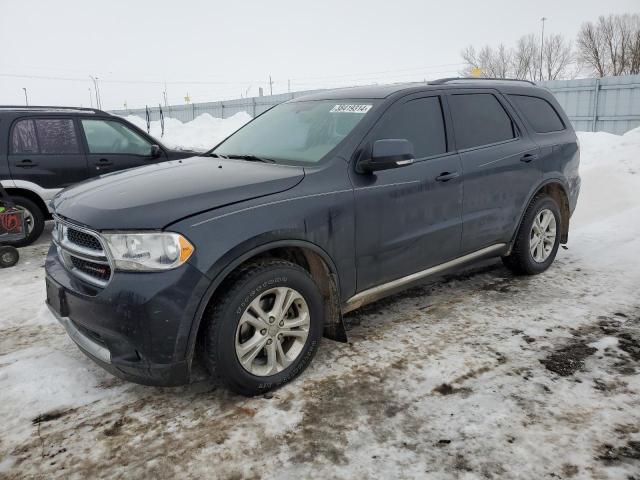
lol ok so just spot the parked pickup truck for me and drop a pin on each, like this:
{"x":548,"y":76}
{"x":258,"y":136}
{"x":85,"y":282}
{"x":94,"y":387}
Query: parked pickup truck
{"x":44,"y":149}
{"x":245,"y":256}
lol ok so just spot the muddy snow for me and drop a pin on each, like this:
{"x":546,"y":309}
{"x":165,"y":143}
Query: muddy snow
{"x":477,"y":375}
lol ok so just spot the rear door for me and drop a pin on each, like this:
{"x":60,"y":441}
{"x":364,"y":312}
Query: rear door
{"x":47,"y":152}
{"x":499,"y":161}
{"x":113,"y":145}
{"x":409,"y":218}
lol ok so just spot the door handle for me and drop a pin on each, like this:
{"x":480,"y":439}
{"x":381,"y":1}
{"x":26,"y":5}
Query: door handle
{"x":26,"y":163}
{"x":103,"y":162}
{"x":446,"y":176}
{"x":527,"y":157}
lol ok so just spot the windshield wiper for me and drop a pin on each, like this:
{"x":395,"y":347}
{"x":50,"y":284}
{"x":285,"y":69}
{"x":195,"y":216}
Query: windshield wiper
{"x":251,"y":158}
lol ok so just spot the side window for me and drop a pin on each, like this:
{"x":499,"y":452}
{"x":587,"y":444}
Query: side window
{"x":57,"y":136}
{"x":52,"y":136}
{"x":479,"y":119}
{"x":420,"y":121}
{"x":105,"y":136}
{"x":540,"y":114}
{"x":23,"y":137}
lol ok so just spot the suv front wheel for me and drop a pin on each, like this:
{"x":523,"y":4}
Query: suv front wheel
{"x":538,"y":238}
{"x":265,"y":327}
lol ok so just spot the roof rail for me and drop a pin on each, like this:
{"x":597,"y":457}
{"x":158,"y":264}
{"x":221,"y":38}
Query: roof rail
{"x":441,"y":81}
{"x":51,"y":108}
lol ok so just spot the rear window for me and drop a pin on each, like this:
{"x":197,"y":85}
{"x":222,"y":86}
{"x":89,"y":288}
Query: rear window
{"x":479,"y":119}
{"x":53,"y":136}
{"x":540,"y":114}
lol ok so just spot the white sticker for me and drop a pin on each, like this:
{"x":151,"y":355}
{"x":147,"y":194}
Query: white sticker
{"x":355,"y":108}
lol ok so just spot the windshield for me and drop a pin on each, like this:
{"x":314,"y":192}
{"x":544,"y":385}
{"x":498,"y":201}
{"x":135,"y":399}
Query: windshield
{"x":299,"y":131}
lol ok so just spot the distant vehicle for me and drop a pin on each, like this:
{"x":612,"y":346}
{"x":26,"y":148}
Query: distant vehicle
{"x":249,"y":253}
{"x":45,"y":149}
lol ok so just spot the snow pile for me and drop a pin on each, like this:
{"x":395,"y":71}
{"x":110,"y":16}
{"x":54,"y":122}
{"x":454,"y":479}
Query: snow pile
{"x":610,"y":172}
{"x":599,"y":147}
{"x":200,"y":134}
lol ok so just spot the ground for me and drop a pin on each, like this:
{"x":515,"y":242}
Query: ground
{"x":478,"y":375}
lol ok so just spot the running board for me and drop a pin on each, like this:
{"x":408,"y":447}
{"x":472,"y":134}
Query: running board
{"x":375,"y":293}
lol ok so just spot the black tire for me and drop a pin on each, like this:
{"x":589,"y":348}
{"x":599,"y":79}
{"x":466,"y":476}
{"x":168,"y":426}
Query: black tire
{"x":521,"y":261}
{"x":9,"y":256}
{"x":36,"y":224}
{"x":218,"y":343}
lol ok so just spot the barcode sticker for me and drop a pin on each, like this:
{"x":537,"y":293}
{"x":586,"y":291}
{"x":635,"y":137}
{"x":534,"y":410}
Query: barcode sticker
{"x":355,"y":108}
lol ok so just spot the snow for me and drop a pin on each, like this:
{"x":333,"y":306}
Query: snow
{"x":200,"y":134}
{"x":480,"y":375}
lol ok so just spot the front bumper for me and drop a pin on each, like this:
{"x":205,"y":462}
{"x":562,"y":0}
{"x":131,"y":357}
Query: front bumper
{"x":138,"y":327}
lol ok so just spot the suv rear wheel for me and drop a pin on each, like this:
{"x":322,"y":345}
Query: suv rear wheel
{"x":538,"y":238}
{"x":33,"y":219}
{"x":265,"y":329}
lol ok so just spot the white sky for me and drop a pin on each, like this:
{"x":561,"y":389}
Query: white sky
{"x":217,"y":50}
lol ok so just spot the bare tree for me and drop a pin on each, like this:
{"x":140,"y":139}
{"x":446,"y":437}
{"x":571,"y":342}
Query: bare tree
{"x":611,"y":46}
{"x":557,"y":57}
{"x":492,"y":62}
{"x":523,"y":61}
{"x":526,"y":58}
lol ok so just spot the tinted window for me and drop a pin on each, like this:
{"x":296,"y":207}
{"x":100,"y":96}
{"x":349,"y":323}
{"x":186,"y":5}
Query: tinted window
{"x":479,"y":119}
{"x":104,"y":136}
{"x":540,"y":114}
{"x":56,"y":136}
{"x":419,"y":121}
{"x":45,"y":136}
{"x":23,"y":137}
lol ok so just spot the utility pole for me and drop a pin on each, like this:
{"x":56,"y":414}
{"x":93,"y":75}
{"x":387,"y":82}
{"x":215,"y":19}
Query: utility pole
{"x":26,"y":98}
{"x":543,"y":19}
{"x":90,"y":98}
{"x":164,"y":94}
{"x":270,"y":86}
{"x":97,"y":90}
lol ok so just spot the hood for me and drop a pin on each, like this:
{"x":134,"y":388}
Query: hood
{"x":153,"y":196}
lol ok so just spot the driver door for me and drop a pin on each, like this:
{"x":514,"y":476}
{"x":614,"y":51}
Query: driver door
{"x":112,"y":146}
{"x":409,"y":218}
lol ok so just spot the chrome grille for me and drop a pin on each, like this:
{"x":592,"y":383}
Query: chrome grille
{"x":82,"y":252}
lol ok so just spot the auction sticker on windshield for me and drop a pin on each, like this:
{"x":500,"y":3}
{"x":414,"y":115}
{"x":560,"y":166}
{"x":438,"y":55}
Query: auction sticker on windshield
{"x":355,"y":108}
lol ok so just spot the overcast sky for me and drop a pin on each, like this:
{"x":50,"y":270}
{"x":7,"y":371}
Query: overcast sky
{"x":216,"y":50}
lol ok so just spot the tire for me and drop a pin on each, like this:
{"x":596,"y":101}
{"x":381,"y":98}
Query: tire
{"x":248,"y":294}
{"x":9,"y":256}
{"x":522,"y":259}
{"x":34,"y":218}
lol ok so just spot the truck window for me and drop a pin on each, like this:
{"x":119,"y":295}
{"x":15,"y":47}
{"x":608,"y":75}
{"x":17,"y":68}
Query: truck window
{"x":479,"y":119}
{"x":540,"y":114}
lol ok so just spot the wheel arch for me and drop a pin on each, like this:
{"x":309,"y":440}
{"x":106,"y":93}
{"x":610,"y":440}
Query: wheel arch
{"x":557,"y":190}
{"x":31,"y":195}
{"x":308,"y":255}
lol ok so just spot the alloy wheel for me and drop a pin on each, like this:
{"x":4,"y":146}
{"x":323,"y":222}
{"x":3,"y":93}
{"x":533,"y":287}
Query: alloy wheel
{"x":272,"y":331}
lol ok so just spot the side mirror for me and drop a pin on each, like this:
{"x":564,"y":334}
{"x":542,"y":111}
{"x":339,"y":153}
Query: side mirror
{"x":389,"y":153}
{"x":155,"y":151}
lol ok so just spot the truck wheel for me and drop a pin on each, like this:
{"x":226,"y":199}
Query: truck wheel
{"x":538,"y":238}
{"x":33,"y":219}
{"x":9,"y":256}
{"x":265,"y":327}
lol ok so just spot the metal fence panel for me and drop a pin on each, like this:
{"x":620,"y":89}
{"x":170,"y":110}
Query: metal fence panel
{"x":610,"y":104}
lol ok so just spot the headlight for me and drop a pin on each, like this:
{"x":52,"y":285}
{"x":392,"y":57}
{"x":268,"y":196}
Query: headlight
{"x":148,"y":251}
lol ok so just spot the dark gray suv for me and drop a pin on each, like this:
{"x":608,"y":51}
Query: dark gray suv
{"x":247,"y":255}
